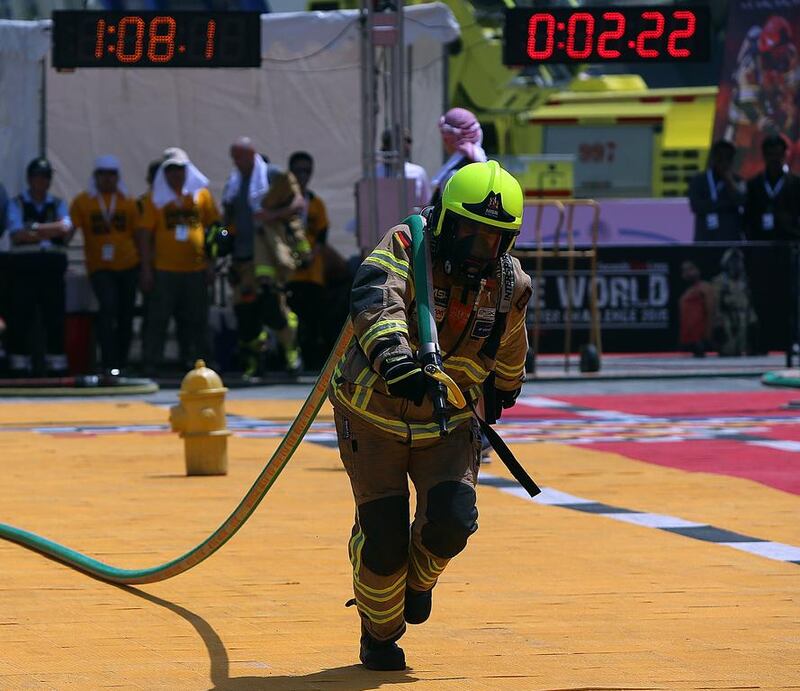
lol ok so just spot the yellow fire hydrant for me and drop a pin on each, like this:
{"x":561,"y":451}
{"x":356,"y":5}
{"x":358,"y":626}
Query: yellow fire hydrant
{"x":200,"y":420}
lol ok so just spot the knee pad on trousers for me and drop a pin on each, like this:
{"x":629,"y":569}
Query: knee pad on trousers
{"x":384,"y":523}
{"x":452,"y":518}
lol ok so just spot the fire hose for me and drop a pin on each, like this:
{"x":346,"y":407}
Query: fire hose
{"x":443,"y":390}
{"x":229,"y":526}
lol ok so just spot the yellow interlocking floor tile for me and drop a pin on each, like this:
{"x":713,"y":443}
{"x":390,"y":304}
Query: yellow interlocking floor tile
{"x":543,"y":597}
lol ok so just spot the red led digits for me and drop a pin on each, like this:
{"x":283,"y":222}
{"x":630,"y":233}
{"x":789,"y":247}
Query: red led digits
{"x":550,"y":40}
{"x":588,"y":21}
{"x":138,"y":47}
{"x":167,"y":40}
{"x":677,"y":34}
{"x":211,"y":30}
{"x":611,"y":35}
{"x":101,"y":34}
{"x":657,"y":32}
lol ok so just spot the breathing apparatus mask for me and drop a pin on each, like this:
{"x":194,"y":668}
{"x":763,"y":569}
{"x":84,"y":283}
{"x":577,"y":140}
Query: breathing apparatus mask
{"x":476,"y":221}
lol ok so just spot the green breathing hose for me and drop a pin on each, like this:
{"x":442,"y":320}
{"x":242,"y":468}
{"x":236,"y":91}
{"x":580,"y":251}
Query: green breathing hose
{"x":423,"y":280}
{"x":228,"y":528}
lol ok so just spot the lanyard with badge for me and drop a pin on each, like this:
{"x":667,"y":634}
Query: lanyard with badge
{"x":712,"y":219}
{"x":181,"y":229}
{"x":768,"y":217}
{"x":107,"y":212}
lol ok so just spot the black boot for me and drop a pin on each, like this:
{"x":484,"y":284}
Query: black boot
{"x":418,"y":606}
{"x":381,"y":656}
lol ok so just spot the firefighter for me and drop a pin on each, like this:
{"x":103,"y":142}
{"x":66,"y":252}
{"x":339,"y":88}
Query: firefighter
{"x":384,"y":420}
{"x":264,"y":205}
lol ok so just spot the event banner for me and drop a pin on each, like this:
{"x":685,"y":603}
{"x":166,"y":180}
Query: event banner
{"x":759,"y":90}
{"x":648,"y":297}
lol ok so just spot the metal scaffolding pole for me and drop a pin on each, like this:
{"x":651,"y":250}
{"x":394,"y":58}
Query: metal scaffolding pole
{"x":383,"y":62}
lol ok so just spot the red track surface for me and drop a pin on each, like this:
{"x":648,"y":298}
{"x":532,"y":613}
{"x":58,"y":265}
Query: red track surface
{"x":746,"y":458}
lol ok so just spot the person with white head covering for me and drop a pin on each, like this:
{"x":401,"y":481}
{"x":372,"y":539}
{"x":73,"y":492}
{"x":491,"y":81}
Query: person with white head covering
{"x":177,"y":214}
{"x":246,"y":186}
{"x":263,"y":206}
{"x":108,"y":219}
{"x":462,"y":137}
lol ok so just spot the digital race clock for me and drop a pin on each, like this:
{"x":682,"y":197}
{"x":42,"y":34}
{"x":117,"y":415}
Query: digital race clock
{"x":156,"y":39}
{"x":606,"y":34}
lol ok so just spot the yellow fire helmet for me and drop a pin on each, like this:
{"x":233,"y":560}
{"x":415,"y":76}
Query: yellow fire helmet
{"x":478,"y":220}
{"x":486,"y":193}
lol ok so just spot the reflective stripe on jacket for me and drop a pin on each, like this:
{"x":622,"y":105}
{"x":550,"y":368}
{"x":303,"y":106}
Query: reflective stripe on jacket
{"x":384,"y":317}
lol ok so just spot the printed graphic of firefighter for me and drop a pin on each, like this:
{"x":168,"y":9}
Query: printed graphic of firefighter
{"x":735,"y":320}
{"x":765,"y":95}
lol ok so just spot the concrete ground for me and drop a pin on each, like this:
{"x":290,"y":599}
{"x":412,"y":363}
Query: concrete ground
{"x":544,"y":597}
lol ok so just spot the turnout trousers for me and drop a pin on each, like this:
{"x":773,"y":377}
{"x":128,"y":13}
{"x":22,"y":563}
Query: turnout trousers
{"x":387,"y":555}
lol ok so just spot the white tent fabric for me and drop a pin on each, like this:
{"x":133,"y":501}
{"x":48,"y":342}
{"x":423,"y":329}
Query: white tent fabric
{"x":23,"y":46}
{"x":305,"y":96}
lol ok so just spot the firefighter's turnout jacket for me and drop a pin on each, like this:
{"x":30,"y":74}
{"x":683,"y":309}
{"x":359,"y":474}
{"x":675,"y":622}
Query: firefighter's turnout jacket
{"x":280,"y":247}
{"x":481,"y":329}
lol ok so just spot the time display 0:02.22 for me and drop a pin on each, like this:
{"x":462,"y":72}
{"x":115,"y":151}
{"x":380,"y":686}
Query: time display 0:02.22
{"x":602,"y":34}
{"x":156,"y":39}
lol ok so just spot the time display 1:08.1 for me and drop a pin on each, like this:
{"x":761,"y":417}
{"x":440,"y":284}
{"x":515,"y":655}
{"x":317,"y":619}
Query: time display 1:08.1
{"x":622,"y":34}
{"x":128,"y":39}
{"x":156,"y":39}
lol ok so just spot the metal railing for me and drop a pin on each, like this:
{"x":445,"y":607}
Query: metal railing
{"x":565,"y":223}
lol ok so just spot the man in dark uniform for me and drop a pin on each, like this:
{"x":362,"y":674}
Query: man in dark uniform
{"x":717,"y":197}
{"x":772,"y":210}
{"x":39,"y":228}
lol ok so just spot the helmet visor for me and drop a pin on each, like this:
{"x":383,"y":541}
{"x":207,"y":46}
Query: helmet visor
{"x":487,"y":242}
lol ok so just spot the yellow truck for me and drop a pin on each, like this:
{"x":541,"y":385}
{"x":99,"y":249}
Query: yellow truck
{"x":563,"y":135}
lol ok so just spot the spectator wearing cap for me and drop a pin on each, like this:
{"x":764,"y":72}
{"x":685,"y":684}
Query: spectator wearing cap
{"x":108,"y":219}
{"x":412,"y":171}
{"x":174,"y":268}
{"x":462,"y":137}
{"x":40,"y":228}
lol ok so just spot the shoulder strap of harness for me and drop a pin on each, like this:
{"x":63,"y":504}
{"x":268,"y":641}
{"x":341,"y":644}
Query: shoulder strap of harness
{"x":505,"y":288}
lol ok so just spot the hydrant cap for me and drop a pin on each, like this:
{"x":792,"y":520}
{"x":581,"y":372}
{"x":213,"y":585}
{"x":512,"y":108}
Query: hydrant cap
{"x":201,"y":380}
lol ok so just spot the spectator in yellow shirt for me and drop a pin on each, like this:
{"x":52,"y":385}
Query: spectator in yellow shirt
{"x":175,"y":270}
{"x":108,"y":219}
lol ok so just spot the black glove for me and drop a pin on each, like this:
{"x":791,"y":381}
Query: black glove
{"x":504,"y":399}
{"x":404,"y":378}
